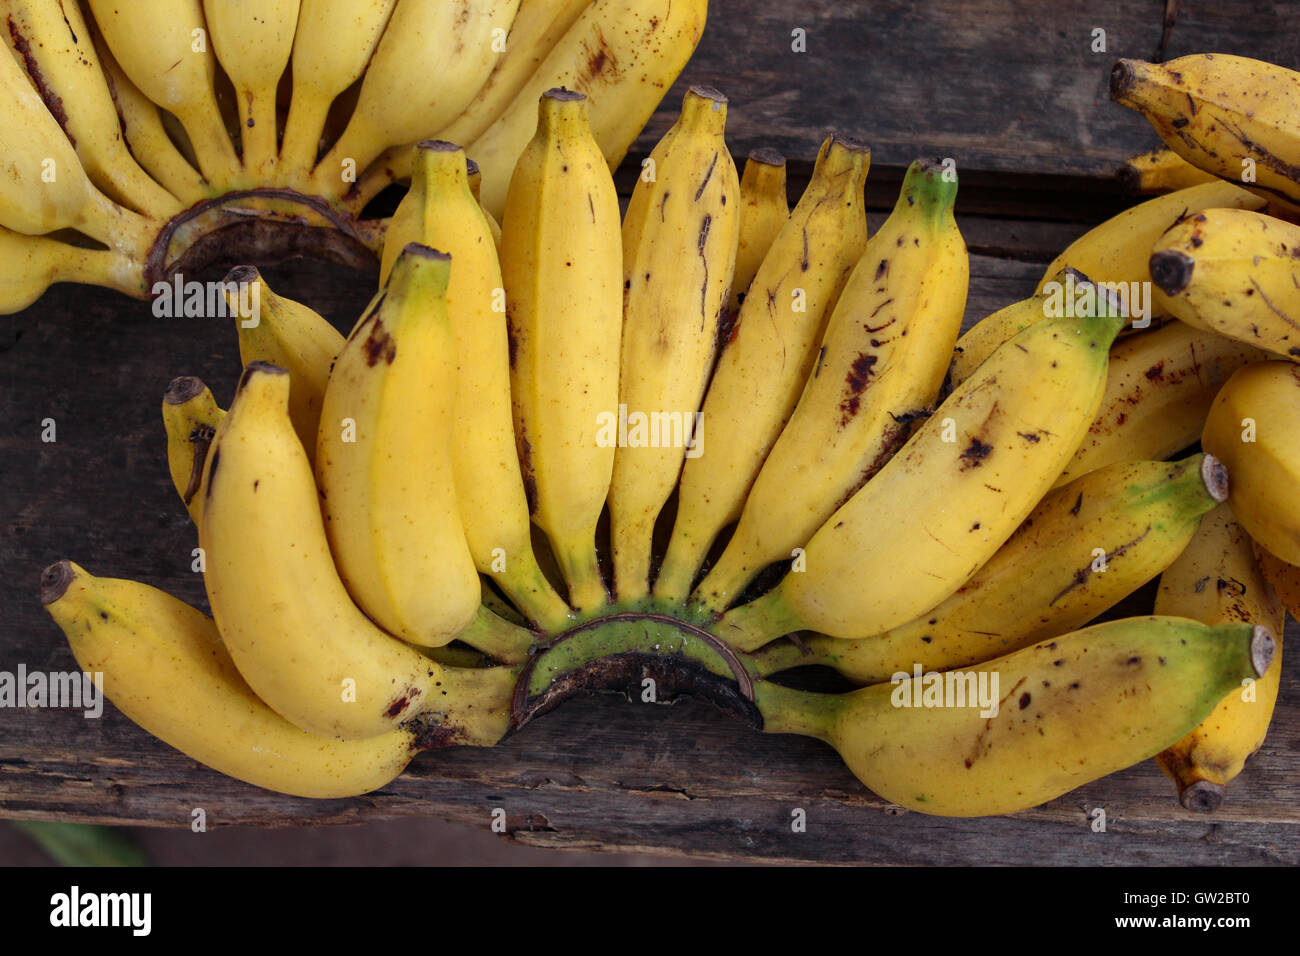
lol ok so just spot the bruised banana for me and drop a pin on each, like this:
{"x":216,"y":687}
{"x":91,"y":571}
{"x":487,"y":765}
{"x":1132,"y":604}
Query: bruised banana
{"x":190,"y":418}
{"x":1083,"y":549}
{"x":768,"y":356}
{"x":164,"y":666}
{"x":679,"y":249}
{"x":950,"y":497}
{"x":1284,"y":578}
{"x":1217,"y":581}
{"x":884,"y":356}
{"x":1066,"y":711}
{"x":764,"y":210}
{"x":1235,"y":272}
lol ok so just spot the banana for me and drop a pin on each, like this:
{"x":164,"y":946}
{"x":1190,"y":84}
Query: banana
{"x":951,"y":496}
{"x":562,"y":271}
{"x":764,"y":210}
{"x":1284,"y":579}
{"x":1160,"y":171}
{"x":402,"y":98}
{"x":887,"y":348}
{"x":162,"y":46}
{"x":54,"y":44}
{"x":1217,"y":581}
{"x":1158,"y":393}
{"x":252,"y":42}
{"x":439,"y":211}
{"x":291,"y":336}
{"x":1229,"y":115}
{"x":1084,"y":548}
{"x":332,"y":43}
{"x":1234,"y":271}
{"x":190,"y":417}
{"x":623,"y":55}
{"x":768,"y":355}
{"x":1068,"y":711}
{"x":383,"y":460}
{"x":164,"y":666}
{"x":1254,"y":426}
{"x":980,"y":341}
{"x":35,"y":263}
{"x":679,"y":250}
{"x":285,"y":616}
{"x":42,"y":185}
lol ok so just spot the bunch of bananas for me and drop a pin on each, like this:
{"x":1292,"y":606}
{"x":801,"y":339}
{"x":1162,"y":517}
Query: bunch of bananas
{"x":717,"y":439}
{"x":158,"y":136}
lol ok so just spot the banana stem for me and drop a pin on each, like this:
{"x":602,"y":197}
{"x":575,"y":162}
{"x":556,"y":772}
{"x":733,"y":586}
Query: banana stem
{"x":530,"y":591}
{"x":257,"y":133}
{"x":212,"y":146}
{"x":498,"y":638}
{"x":752,"y":625}
{"x":680,"y":564}
{"x":117,"y":227}
{"x":581,"y":572}
{"x":302,"y":134}
{"x":789,"y":711}
{"x":327,"y":178}
{"x":783,"y":655}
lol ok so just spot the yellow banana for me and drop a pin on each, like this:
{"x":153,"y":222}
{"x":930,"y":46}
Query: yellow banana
{"x":883,"y":359}
{"x":1158,"y":393}
{"x":1068,"y":711}
{"x":679,"y":250}
{"x":164,"y":666}
{"x":35,"y":263}
{"x":1216,"y":581}
{"x":1160,"y":171}
{"x":562,"y":269}
{"x":764,"y":211}
{"x":1235,"y":272}
{"x":190,"y":417}
{"x":1084,"y":548}
{"x":1254,"y":426}
{"x":162,"y":46}
{"x":980,"y":341}
{"x":623,"y":55}
{"x":1228,"y":115}
{"x":1284,"y":579}
{"x":285,"y":616}
{"x":768,"y":356}
{"x":951,"y":496}
{"x":291,"y":336}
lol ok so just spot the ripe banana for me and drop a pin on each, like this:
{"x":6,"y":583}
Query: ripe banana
{"x":164,"y":666}
{"x":1216,"y":581}
{"x":1160,"y":171}
{"x":190,"y":417}
{"x":1284,"y":579}
{"x":332,"y":43}
{"x":562,"y":269}
{"x":768,"y":355}
{"x":764,"y":210}
{"x":291,"y":336}
{"x":1158,"y":392}
{"x":35,"y":263}
{"x":1068,"y":711}
{"x":285,"y":616}
{"x":884,"y":356}
{"x":52,"y":41}
{"x":980,"y":341}
{"x":1084,"y":548}
{"x":1228,"y":115}
{"x":1235,"y":272}
{"x":384,"y":460}
{"x":623,"y":55}
{"x":252,"y":43}
{"x":1254,"y":426}
{"x":162,"y":46}
{"x":951,"y":496}
{"x":403,"y":98}
{"x":679,"y":251}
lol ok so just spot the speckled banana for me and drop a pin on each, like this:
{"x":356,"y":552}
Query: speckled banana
{"x":1284,"y":579}
{"x":190,"y":418}
{"x":951,"y":496}
{"x":764,"y":211}
{"x":1158,"y":393}
{"x":291,"y":336}
{"x":1084,"y":548}
{"x":1160,"y":171}
{"x":35,"y":263}
{"x":1254,"y":426}
{"x":622,"y":55}
{"x":882,"y":361}
{"x":562,"y":268}
{"x":1235,"y":272}
{"x":679,"y":251}
{"x":285,"y":616}
{"x":1068,"y":711}
{"x":164,"y":666}
{"x":1217,"y":581}
{"x":384,"y":460}
{"x":979,"y":341}
{"x":163,"y":46}
{"x":439,"y":211}
{"x":1228,"y":115}
{"x":768,"y":356}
